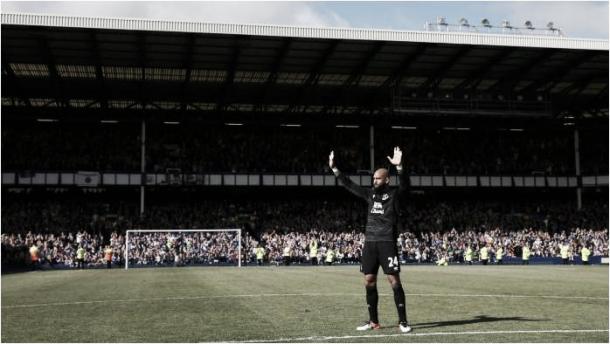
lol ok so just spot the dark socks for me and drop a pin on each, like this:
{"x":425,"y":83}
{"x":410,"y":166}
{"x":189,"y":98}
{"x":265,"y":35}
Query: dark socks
{"x":399,"y":299}
{"x":371,"y":300}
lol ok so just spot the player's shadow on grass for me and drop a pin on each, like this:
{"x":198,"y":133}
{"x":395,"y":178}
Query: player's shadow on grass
{"x":475,"y":320}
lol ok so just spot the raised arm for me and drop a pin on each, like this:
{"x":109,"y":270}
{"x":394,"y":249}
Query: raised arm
{"x":345,"y":181}
{"x":396,"y":160}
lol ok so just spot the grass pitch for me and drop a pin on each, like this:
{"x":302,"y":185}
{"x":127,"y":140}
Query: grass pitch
{"x":304,"y":304}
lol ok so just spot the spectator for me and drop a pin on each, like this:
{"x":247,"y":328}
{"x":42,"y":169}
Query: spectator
{"x":254,"y":149}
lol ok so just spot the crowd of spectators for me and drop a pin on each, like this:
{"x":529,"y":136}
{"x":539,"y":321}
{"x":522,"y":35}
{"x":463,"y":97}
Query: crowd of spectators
{"x":58,"y":250}
{"x":201,"y":148}
{"x":255,"y":215}
{"x":173,"y":248}
{"x":467,"y":215}
{"x":255,"y":150}
{"x":594,"y":152}
{"x":428,"y":228}
{"x":457,"y":152}
{"x":52,"y":146}
{"x":21,"y":214}
{"x":431,"y":247}
{"x":206,"y":248}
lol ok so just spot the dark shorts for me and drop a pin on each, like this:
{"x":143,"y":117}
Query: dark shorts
{"x":376,"y":253}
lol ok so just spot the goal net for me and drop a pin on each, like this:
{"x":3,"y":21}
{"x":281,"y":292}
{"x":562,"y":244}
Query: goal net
{"x":182,"y":247}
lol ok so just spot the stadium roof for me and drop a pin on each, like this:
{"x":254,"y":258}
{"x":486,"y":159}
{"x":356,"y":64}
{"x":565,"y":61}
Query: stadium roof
{"x":92,"y":64}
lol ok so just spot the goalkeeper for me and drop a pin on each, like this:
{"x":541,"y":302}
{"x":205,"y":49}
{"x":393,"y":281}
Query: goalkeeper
{"x":380,"y":237}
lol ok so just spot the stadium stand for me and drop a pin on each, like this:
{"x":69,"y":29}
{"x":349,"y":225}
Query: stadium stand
{"x":104,"y":120}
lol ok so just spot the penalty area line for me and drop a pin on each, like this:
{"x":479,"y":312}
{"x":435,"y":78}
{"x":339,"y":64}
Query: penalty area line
{"x":407,"y":335}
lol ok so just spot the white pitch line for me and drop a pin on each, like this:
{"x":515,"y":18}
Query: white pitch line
{"x":405,"y":335}
{"x":516,"y":296}
{"x":178,"y":298}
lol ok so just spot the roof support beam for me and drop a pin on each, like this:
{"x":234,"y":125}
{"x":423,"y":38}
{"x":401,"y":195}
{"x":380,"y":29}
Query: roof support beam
{"x":508,"y":83}
{"x":433,"y":81}
{"x":398,"y":73}
{"x":359,"y":70}
{"x":580,"y":85}
{"x":54,"y":77}
{"x":141,"y":44}
{"x":356,"y":74}
{"x":275,"y":68}
{"x":314,"y":74}
{"x":603,"y":94}
{"x":279,"y":59}
{"x":99,"y":75}
{"x":231,"y":68}
{"x":555,"y":75}
{"x":477,"y":77}
{"x":19,"y":91}
{"x":188,"y":65}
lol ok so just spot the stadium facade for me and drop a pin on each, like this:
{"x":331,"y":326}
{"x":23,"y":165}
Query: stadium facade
{"x":153,"y":73}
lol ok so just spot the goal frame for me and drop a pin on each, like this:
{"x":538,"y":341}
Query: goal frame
{"x":217,"y":230}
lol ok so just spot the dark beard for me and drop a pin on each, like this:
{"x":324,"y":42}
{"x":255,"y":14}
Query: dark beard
{"x":380,"y":189}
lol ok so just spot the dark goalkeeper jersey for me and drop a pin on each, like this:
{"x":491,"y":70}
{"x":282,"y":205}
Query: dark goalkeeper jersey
{"x":383,"y":211}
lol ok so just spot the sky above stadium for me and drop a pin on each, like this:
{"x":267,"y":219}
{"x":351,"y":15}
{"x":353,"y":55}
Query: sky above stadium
{"x":583,"y":19}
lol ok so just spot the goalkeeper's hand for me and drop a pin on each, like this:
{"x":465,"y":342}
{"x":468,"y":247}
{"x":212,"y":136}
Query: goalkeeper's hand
{"x":331,"y":160}
{"x":396,"y":160}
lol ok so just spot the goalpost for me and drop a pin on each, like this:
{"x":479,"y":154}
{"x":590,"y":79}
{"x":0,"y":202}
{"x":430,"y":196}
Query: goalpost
{"x":129,"y":231}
